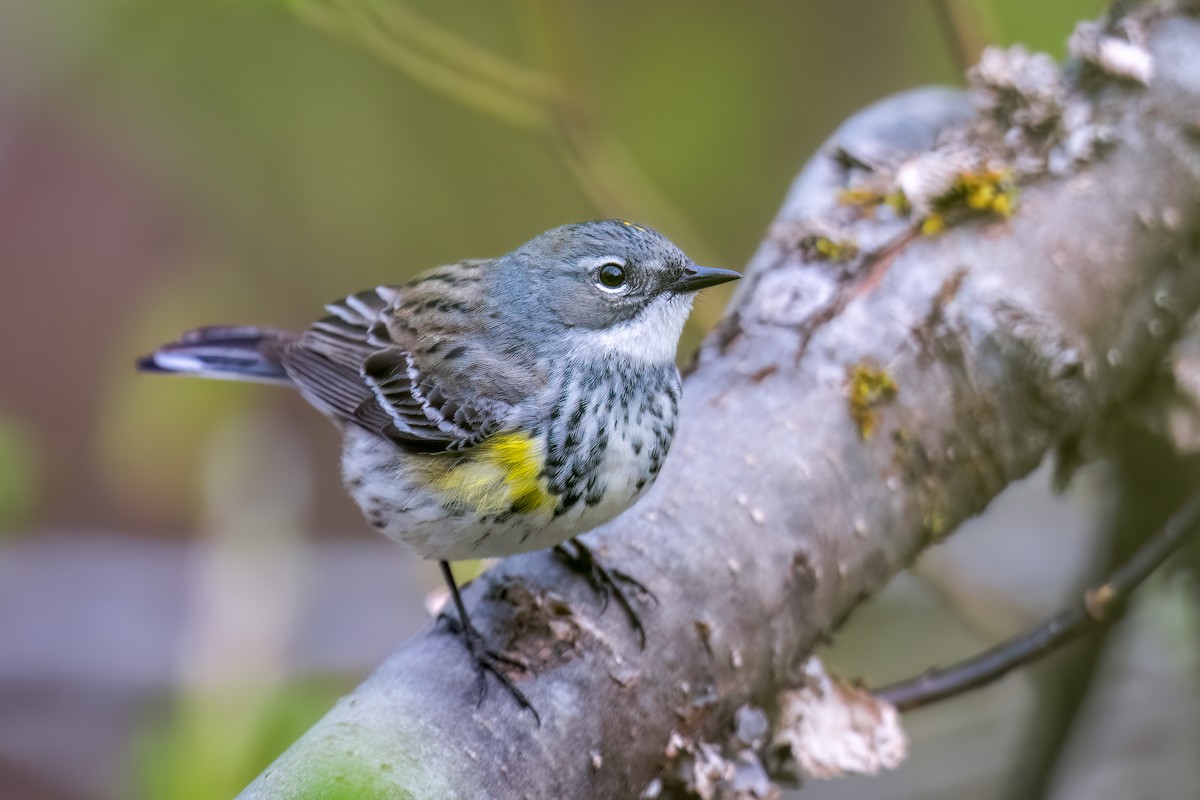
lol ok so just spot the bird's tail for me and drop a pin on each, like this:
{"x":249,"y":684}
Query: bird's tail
{"x":227,"y":352}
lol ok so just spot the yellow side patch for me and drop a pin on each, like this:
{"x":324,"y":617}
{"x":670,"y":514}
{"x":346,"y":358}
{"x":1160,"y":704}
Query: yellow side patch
{"x":500,"y":474}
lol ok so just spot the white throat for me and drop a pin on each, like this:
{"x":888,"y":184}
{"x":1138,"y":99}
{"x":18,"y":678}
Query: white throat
{"x":651,"y":337}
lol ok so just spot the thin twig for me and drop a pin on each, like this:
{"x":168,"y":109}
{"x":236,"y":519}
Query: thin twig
{"x":547,"y":101}
{"x":606,"y":171}
{"x":1151,"y":479}
{"x":343,"y":17}
{"x":462,"y":54}
{"x":1098,"y":606}
{"x":966,"y":31}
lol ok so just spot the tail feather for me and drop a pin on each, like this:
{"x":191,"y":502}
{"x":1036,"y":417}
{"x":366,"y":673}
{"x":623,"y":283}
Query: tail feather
{"x":225,"y":352}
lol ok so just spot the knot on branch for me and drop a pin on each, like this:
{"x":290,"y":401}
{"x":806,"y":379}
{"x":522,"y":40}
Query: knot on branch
{"x":1058,"y":374}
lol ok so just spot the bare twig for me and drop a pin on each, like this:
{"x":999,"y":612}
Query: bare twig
{"x":481,"y":64}
{"x":429,"y":69}
{"x":1150,"y":479}
{"x":965,"y":28}
{"x":550,"y":102}
{"x":1099,"y":606}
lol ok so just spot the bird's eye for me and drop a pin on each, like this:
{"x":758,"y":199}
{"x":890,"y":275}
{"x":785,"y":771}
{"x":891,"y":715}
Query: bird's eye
{"x":611,"y":276}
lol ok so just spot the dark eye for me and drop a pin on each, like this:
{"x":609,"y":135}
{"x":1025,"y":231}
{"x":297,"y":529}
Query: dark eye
{"x":611,"y":276}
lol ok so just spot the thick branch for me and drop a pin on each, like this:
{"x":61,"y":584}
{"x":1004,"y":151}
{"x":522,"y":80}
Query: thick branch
{"x":774,"y":516}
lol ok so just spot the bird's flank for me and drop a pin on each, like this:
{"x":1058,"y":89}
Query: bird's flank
{"x":501,"y":474}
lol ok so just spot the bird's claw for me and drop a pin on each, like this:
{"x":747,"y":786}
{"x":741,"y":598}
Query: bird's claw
{"x":490,"y":661}
{"x":607,"y":583}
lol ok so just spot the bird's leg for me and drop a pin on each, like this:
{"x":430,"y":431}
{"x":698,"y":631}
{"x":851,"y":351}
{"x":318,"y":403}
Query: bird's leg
{"x":485,"y":660}
{"x":606,"y":582}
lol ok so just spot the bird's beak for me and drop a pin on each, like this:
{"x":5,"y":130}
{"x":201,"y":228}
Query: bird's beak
{"x":695,"y":278}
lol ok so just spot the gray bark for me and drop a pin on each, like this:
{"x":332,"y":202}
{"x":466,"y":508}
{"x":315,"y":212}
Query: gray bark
{"x":773,"y":517}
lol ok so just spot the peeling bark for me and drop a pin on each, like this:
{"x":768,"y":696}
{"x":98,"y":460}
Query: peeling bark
{"x":774,"y":516}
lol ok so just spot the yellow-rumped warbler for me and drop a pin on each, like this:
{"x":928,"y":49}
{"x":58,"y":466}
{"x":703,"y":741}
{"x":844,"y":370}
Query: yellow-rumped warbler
{"x":491,"y":406}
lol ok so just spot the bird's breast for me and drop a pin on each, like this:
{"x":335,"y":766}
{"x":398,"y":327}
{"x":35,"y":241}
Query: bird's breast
{"x":607,"y":434}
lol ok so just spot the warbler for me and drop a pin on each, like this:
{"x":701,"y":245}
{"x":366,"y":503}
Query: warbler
{"x":491,"y":406}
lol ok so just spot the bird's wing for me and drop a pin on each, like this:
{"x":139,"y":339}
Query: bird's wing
{"x":325,"y":362}
{"x":405,"y":363}
{"x":420,"y":410}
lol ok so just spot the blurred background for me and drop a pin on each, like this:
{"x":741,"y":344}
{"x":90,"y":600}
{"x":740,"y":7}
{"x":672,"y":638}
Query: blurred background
{"x":184,"y":588}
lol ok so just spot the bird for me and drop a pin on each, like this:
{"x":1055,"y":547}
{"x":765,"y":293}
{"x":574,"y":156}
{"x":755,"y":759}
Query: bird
{"x":491,"y":406}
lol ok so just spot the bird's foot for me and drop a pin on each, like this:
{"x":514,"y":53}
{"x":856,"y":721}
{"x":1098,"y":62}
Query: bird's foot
{"x":488,"y":661}
{"x":607,"y":582}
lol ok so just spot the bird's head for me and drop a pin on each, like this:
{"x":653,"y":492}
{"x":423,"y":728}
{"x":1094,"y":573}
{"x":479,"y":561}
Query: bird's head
{"x":605,"y":287}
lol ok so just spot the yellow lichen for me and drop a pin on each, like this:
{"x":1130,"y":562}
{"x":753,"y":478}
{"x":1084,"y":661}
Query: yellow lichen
{"x":985,"y":191}
{"x":869,"y":197}
{"x":897,"y":201}
{"x":818,"y":247}
{"x":932,"y":225}
{"x":831,"y":250}
{"x":860,"y":196}
{"x":869,"y":387}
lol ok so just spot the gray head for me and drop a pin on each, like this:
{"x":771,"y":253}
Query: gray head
{"x":616,"y":286}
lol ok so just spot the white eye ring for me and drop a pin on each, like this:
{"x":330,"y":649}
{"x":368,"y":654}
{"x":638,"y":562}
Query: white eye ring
{"x":611,"y":277}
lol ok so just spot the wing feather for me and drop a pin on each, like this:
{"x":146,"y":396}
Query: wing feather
{"x":349,"y":366}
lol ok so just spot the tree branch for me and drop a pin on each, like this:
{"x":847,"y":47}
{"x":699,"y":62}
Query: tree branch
{"x":1147,"y":478}
{"x":1099,"y":606}
{"x":780,"y":509}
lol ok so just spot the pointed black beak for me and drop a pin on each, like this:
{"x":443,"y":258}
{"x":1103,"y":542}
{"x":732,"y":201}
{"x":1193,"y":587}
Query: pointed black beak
{"x":695,"y":278}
